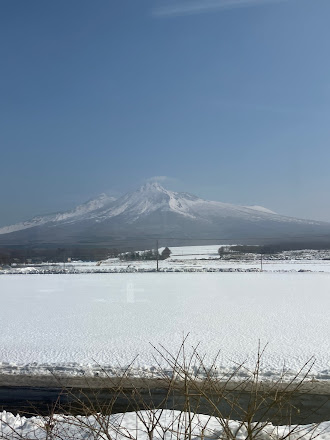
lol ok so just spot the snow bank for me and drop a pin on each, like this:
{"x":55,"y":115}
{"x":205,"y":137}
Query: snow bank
{"x":171,"y":425}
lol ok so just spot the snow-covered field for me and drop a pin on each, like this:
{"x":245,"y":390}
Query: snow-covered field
{"x":171,"y":425}
{"x":70,"y":323}
{"x":191,"y":259}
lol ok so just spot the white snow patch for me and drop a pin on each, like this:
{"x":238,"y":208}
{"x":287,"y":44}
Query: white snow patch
{"x":260,"y":208}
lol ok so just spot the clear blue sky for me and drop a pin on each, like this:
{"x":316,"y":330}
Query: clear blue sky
{"x":230,"y":99}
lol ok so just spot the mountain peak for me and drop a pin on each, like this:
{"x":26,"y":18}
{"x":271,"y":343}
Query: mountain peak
{"x":155,"y":186}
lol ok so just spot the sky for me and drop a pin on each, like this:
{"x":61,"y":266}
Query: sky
{"x":226,"y":99}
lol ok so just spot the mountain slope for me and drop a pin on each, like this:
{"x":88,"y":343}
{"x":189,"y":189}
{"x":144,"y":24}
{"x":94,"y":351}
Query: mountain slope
{"x":155,"y":212}
{"x":76,"y":214}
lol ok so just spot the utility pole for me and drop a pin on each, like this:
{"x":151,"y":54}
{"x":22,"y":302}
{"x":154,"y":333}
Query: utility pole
{"x":261,"y":262}
{"x":157,"y":255}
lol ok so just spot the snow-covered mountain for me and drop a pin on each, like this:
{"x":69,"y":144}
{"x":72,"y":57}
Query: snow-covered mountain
{"x":78,"y":213}
{"x":152,"y":197}
{"x":155,"y":212}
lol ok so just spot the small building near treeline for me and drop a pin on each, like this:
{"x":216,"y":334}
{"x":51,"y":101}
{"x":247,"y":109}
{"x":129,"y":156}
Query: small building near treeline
{"x":166,"y":253}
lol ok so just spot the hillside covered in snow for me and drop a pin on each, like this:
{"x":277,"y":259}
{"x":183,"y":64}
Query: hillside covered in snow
{"x":153,"y":212}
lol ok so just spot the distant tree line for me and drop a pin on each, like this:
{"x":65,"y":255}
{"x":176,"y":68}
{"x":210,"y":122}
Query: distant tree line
{"x":272,"y":248}
{"x":54,"y":255}
{"x":134,"y":256}
{"x":151,"y":254}
{"x":25,"y":255}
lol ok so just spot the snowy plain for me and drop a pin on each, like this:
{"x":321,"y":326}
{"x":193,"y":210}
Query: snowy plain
{"x":191,"y":259}
{"x":74,"y":324}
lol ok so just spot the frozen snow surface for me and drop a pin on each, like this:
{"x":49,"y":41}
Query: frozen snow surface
{"x":170,"y":425}
{"x":75,"y":324}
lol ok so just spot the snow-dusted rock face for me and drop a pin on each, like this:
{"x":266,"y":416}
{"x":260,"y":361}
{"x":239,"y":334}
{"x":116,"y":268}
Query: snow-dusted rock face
{"x":152,"y":197}
{"x":149,"y":198}
{"x":155,"y":211}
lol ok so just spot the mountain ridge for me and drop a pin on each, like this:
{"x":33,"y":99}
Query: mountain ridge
{"x":152,"y":210}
